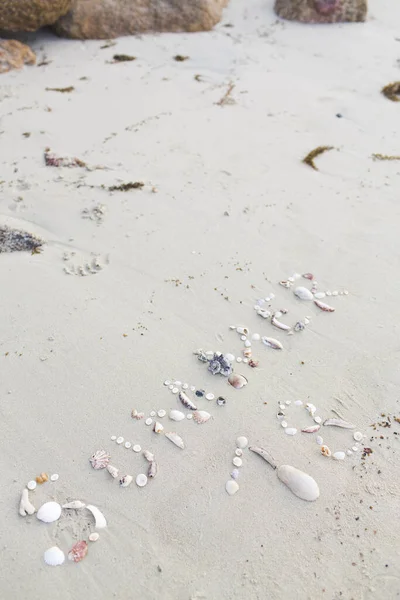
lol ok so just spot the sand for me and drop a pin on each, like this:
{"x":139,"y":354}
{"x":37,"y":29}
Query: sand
{"x":234,"y":211}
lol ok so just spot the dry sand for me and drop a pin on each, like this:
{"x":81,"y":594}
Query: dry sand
{"x":78,"y":353}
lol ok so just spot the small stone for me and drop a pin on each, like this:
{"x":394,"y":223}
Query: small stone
{"x":339,"y":455}
{"x":31,"y":485}
{"x":189,"y":416}
{"x":319,"y":440}
{"x":175,"y":390}
{"x":136,"y":448}
{"x":120,"y":440}
{"x":235,"y":473}
{"x":298,"y":403}
{"x":192,"y":388}
{"x":291,"y":431}
{"x":349,"y":452}
{"x":210,"y":396}
{"x":237,"y":461}
{"x":242,"y":442}
{"x":355,"y":448}
{"x":288,"y":402}
{"x":221,"y":401}
{"x":318,"y":420}
{"x":153,"y":413}
{"x":200,"y":393}
{"x":247,"y":344}
{"x":358,"y":436}
{"x":148,"y":421}
{"x":54,"y":477}
{"x":161,"y":413}
{"x":185,"y":386}
{"x":113,"y":438}
{"x":141,"y":480}
{"x":256,"y":337}
{"x":239,"y":359}
{"x":178,"y":383}
{"x":230,"y":357}
{"x":127,"y":445}
{"x":284,"y":424}
{"x":93,"y":537}
{"x":167,"y":382}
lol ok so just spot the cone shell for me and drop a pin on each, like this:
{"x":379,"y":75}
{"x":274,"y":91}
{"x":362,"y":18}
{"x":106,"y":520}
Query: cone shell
{"x":301,"y":484}
{"x":237,"y":381}
{"x":201,"y":416}
{"x":113,"y":471}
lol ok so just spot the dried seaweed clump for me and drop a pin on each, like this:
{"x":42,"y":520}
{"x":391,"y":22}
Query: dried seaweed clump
{"x":385,"y":157}
{"x":14,"y":240}
{"x":125,"y":187}
{"x":392,"y":91}
{"x":53,"y":160}
{"x":123,"y":58}
{"x":309,"y":159}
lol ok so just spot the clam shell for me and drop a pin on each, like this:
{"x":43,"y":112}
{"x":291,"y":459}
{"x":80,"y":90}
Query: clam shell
{"x":100,"y":459}
{"x":186,"y":401}
{"x":113,"y":471}
{"x":54,"y":556}
{"x":176,"y":415}
{"x":303,"y":293}
{"x":125,"y":480}
{"x":301,"y":484}
{"x":201,"y":416}
{"x":237,"y":381}
{"x":100,"y":520}
{"x":272,"y":343}
{"x":49,"y":512}
{"x":175,"y":439}
{"x":232,"y":487}
{"x":339,"y":455}
{"x":78,"y":551}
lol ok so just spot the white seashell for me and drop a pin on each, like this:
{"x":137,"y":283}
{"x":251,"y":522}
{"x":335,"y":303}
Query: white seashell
{"x":230,"y":357}
{"x":231,"y":487}
{"x":311,"y":429}
{"x":325,"y":451}
{"x":242,"y":330}
{"x":167,"y":382}
{"x":153,"y":413}
{"x":237,"y":381}
{"x":210,"y":396}
{"x":358,"y":436}
{"x":284,"y":424}
{"x":201,"y":416}
{"x":175,"y":439}
{"x":339,"y":455}
{"x":280,"y":415}
{"x":247,"y":353}
{"x":265,"y":314}
{"x":149,"y":456}
{"x":301,"y":484}
{"x":175,"y":390}
{"x":318,"y":420}
{"x":185,"y":386}
{"x":291,"y":431}
{"x":75,"y":504}
{"x":161,"y":413}
{"x":113,"y":471}
{"x":158,"y":428}
{"x":149,"y":421}
{"x":239,"y":359}
{"x":54,"y":556}
{"x":113,"y":438}
{"x":243,"y":338}
{"x":141,"y":480}
{"x":176,"y":415}
{"x":280,"y":325}
{"x":242,"y":442}
{"x":303,"y":293}
{"x":136,"y":448}
{"x":349,"y":452}
{"x":100,"y":459}
{"x":100,"y":520}
{"x":319,"y":440}
{"x":127,"y":445}
{"x":49,"y":512}
{"x":288,"y":402}
{"x":298,"y":403}
{"x":319,"y":295}
{"x":282,"y":406}
{"x":192,"y":388}
{"x":186,"y":401}
{"x":152,"y":470}
{"x":125,"y":480}
{"x":338,"y":423}
{"x":311,"y":409}
{"x":25,"y":506}
{"x":323,"y":306}
{"x":31,"y":485}
{"x":93,"y":537}
{"x":237,"y":461}
{"x":120,"y":440}
{"x":335,"y":293}
{"x":247,"y":344}
{"x":272,"y":343}
{"x":239,"y":452}
{"x":54,"y":477}
{"x":355,"y":448}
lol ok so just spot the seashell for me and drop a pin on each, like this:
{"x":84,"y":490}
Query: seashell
{"x":75,"y":504}
{"x":298,"y":403}
{"x":141,"y":480}
{"x":237,"y":381}
{"x":291,"y":431}
{"x":127,"y":445}
{"x":201,"y":416}
{"x":42,"y":478}
{"x":280,"y":325}
{"x":284,"y":424}
{"x":186,"y":401}
{"x":338,"y":423}
{"x":176,"y":415}
{"x":242,"y":330}
{"x":265,"y":314}
{"x":148,"y":455}
{"x":232,"y":487}
{"x":113,"y":438}
{"x":309,"y":276}
{"x":100,"y":459}
{"x":280,"y":415}
{"x":319,"y":295}
{"x":120,"y":439}
{"x":78,"y":551}
{"x":221,"y":401}
{"x":158,"y":428}
{"x":302,"y":485}
{"x":49,"y":512}
{"x":153,"y":469}
{"x":323,"y":306}
{"x":253,"y":363}
{"x":303,"y":293}
{"x":311,"y":429}
{"x":54,"y":556}
{"x":100,"y":520}
{"x":113,"y":471}
{"x":149,"y":421}
{"x":285,"y":284}
{"x":325,"y":451}
{"x":311,"y":408}
{"x":153,"y":413}
{"x":210,"y":396}
{"x":54,"y":477}
{"x":161,"y":413}
{"x":264,"y":454}
{"x":137,"y":415}
{"x":247,"y":353}
{"x":31,"y":485}
{"x":136,"y":448}
{"x":339,"y":455}
{"x":272,"y":343}
{"x":235,"y":473}
{"x":239,"y":452}
{"x":358,"y":436}
{"x":25,"y":506}
{"x":319,"y":440}
{"x":242,"y":442}
{"x":126,"y":480}
{"x":237,"y":461}
{"x":175,"y":439}
{"x":93,"y":537}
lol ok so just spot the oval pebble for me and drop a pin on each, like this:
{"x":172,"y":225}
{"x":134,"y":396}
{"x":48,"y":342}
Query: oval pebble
{"x":161,"y":413}
{"x":120,"y":440}
{"x":54,"y":477}
{"x":242,"y":442}
{"x":136,"y":448}
{"x":339,"y":455}
{"x":153,"y":413}
{"x":210,"y":396}
{"x":232,"y":487}
{"x":291,"y":431}
{"x":284,"y":424}
{"x":237,"y":461}
{"x":167,"y":382}
{"x":235,"y":473}
{"x":141,"y":480}
{"x":127,"y":444}
{"x":298,"y":403}
{"x":93,"y":537}
{"x":358,"y":436}
{"x":31,"y":485}
{"x":319,"y":440}
{"x":318,"y":420}
{"x":149,"y":421}
{"x":175,"y":390}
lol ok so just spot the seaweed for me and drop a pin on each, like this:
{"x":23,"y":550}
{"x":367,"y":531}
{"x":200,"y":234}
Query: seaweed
{"x":392,"y":91}
{"x":226,"y":98}
{"x":64,"y":90}
{"x":15,"y":240}
{"x":180,"y":58}
{"x":309,"y":159}
{"x":52,"y":160}
{"x":125,"y":187}
{"x":117,"y":58}
{"x":385,"y":157}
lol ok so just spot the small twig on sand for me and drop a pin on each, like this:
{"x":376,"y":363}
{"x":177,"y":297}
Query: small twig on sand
{"x":309,"y":159}
{"x":226,"y":98}
{"x":64,"y":90}
{"x":385,"y":157}
{"x":392,"y":91}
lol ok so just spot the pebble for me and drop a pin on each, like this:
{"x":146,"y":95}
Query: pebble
{"x":185,"y":386}
{"x":136,"y":448}
{"x":54,"y":477}
{"x":339,"y":455}
{"x":335,"y":293}
{"x":237,"y":461}
{"x":127,"y":444}
{"x":93,"y":537}
{"x":192,"y":388}
{"x":231,"y":487}
{"x":141,"y":480}
{"x":319,"y":440}
{"x":358,"y":436}
{"x":246,"y":360}
{"x":291,"y":430}
{"x":242,"y":442}
{"x":256,"y":337}
{"x":355,"y":448}
{"x":167,"y":382}
{"x":235,"y":473}
{"x":189,"y":416}
{"x":148,"y":421}
{"x":161,"y":413}
{"x":239,"y":452}
{"x":243,"y":338}
{"x":178,"y":383}
{"x":284,"y":424}
{"x":288,"y":402}
{"x":318,"y":420}
{"x":349,"y":452}
{"x":247,"y":344}
{"x":230,"y":357}
{"x":171,"y":386}
{"x":120,"y":440}
{"x":31,"y":485}
{"x":282,"y":406}
{"x":239,"y":359}
{"x":298,"y":403}
{"x":210,"y":396}
{"x":175,"y":390}
{"x":113,"y":438}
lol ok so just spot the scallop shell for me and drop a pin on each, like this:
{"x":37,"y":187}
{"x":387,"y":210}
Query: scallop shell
{"x":272,"y":343}
{"x":237,"y":381}
{"x":125,"y":480}
{"x":158,"y":428}
{"x":301,"y":484}
{"x":325,"y":451}
{"x":303,"y":293}
{"x":175,"y":439}
{"x":232,"y":487}
{"x":113,"y":471}
{"x":323,"y":306}
{"x":100,"y":459}
{"x":152,"y":470}
{"x":176,"y":415}
{"x":100,"y":520}
{"x":78,"y":551}
{"x":54,"y":556}
{"x":49,"y":512}
{"x":186,"y":401}
{"x":141,"y":480}
{"x":201,"y":416}
{"x":75,"y":504}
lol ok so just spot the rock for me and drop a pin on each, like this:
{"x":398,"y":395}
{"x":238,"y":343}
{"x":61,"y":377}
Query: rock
{"x":29,"y":15}
{"x":322,"y":11}
{"x":14,"y":54}
{"x":106,"y":19}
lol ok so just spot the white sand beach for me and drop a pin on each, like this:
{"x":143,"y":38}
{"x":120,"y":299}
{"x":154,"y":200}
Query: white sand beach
{"x":227,"y":211}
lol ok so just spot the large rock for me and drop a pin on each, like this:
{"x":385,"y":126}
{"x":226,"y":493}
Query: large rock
{"x":29,"y":15}
{"x":105,"y":19}
{"x":322,"y":11}
{"x":14,"y":55}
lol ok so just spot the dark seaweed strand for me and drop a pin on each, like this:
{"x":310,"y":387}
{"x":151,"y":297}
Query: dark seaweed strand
{"x":309,"y":159}
{"x":14,"y":240}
